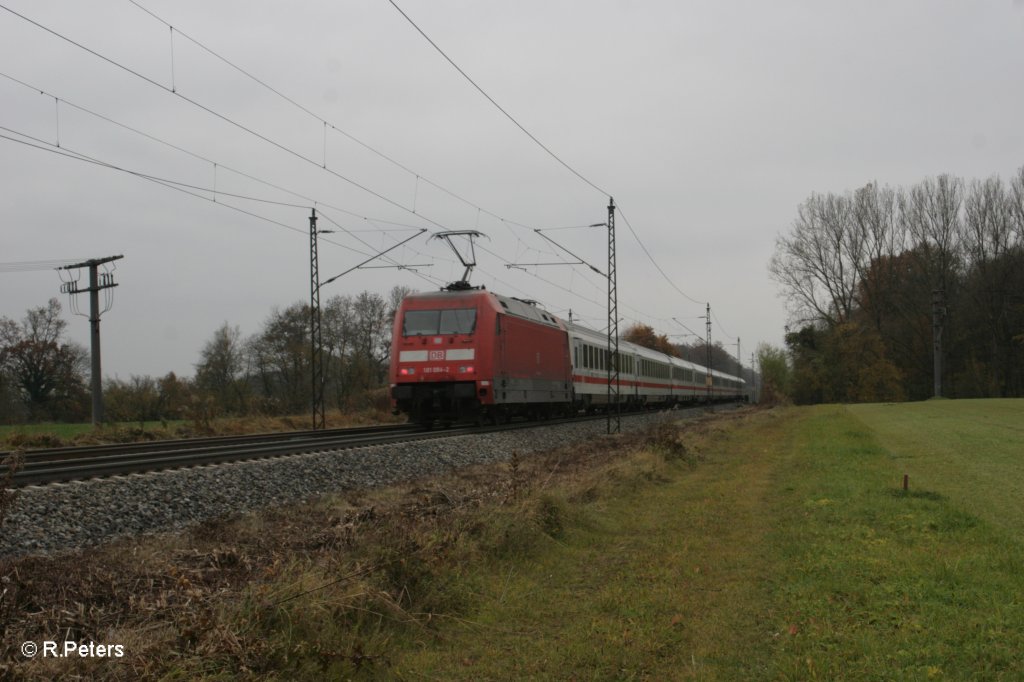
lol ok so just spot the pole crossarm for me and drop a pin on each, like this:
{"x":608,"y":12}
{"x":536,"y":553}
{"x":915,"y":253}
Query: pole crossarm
{"x":103,"y":281}
{"x":91,"y":262}
{"x":409,"y":266}
{"x":376,"y":256}
{"x":520,"y":266}
{"x":581,"y":261}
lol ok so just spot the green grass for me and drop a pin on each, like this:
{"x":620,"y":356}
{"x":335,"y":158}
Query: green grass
{"x":65,"y":431}
{"x":971,"y":451}
{"x":884,"y":584}
{"x":52,"y":434}
{"x":789,"y":553}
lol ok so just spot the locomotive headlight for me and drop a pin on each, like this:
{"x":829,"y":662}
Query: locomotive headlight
{"x":468,"y":369}
{"x":406,"y":371}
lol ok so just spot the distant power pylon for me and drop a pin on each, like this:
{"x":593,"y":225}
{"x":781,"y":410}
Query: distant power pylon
{"x":97,"y":282}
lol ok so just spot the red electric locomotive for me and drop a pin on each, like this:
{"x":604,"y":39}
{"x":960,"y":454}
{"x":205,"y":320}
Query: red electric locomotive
{"x":473,"y":355}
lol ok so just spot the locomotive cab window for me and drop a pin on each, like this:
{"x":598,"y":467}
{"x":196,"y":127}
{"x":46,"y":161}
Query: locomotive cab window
{"x":435,"y":322}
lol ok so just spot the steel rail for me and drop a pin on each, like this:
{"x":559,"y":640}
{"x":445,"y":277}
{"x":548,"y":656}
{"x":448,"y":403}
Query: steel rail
{"x":38,"y":473}
{"x":81,"y":451}
{"x":120,"y":460}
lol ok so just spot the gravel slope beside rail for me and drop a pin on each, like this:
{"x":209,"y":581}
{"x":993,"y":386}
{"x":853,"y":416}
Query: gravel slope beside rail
{"x":67,"y":516}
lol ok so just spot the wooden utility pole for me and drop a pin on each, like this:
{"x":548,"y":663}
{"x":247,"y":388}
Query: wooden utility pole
{"x":97,"y":282}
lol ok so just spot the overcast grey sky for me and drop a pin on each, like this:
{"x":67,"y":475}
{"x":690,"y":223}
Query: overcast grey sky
{"x":709,"y":122}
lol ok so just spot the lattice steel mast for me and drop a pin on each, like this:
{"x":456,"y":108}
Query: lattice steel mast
{"x":614,"y":410}
{"x":316,"y":337}
{"x":710,"y":378}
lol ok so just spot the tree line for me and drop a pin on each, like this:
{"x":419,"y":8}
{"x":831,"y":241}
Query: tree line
{"x":870,"y":275}
{"x":44,"y":377}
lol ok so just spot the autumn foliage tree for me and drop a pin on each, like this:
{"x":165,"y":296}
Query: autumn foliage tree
{"x":860,"y":272}
{"x":44,"y":370}
{"x":644,"y":335}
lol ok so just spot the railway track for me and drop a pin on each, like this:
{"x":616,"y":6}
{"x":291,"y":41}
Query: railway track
{"x":57,"y":465}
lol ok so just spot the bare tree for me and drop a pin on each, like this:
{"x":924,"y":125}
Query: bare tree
{"x":338,"y":325}
{"x":1016,"y":201}
{"x":881,"y":237}
{"x":992,"y":280}
{"x":931,"y":212}
{"x":219,"y":372}
{"x":281,"y":357}
{"x":818,"y":262}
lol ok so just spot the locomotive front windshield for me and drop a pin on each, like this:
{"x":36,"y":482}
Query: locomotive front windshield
{"x":437,"y":322}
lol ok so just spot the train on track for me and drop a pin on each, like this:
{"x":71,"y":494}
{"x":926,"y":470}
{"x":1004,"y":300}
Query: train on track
{"x":467,"y":354}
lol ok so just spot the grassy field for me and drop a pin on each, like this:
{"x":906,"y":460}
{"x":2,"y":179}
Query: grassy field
{"x":790,"y":552}
{"x":68,"y":432}
{"x":763,"y":545}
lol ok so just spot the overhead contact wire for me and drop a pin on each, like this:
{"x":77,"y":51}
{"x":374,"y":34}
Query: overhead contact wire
{"x":327,"y":124}
{"x":495,"y":103}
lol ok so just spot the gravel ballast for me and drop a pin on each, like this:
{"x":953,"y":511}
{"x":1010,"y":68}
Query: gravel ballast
{"x":71,"y":515}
